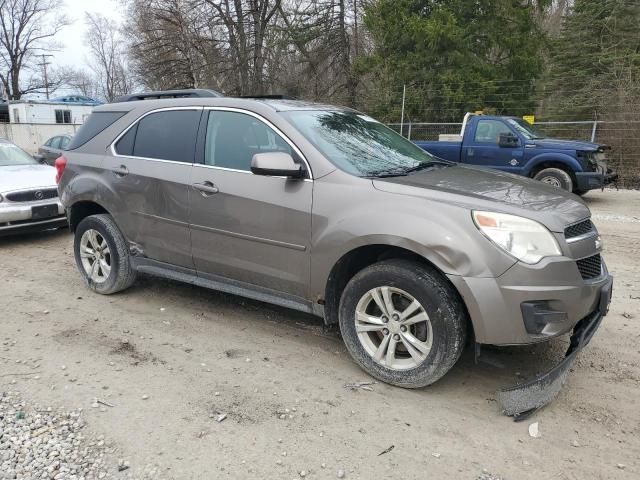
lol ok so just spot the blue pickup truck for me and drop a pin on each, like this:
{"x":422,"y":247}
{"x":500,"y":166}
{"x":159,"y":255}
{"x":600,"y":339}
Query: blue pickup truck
{"x":513,"y":145}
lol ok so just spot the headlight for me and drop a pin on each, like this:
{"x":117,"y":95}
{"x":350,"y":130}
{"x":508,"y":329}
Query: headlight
{"x":525,"y":239}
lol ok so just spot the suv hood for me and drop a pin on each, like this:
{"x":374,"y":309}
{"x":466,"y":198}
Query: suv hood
{"x":21,"y":177}
{"x":555,"y":144}
{"x":479,"y":188}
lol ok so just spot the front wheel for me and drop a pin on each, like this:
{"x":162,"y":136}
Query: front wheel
{"x":403,"y":323}
{"x":102,"y":256}
{"x":555,"y":177}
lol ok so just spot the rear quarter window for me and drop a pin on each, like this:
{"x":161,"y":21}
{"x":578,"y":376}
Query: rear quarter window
{"x":95,"y":124}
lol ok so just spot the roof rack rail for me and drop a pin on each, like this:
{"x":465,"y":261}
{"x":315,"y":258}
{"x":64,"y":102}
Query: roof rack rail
{"x":186,"y":93}
{"x":269,"y":97}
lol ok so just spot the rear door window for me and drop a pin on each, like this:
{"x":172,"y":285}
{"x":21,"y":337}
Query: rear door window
{"x":166,"y":135}
{"x":124,"y":146}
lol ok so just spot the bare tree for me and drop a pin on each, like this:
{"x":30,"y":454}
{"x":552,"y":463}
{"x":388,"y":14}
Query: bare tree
{"x":82,"y":82}
{"x":327,"y":37}
{"x":26,"y":27}
{"x":247,"y":23}
{"x":305,"y":48}
{"x":108,"y":56}
{"x":173,"y":45}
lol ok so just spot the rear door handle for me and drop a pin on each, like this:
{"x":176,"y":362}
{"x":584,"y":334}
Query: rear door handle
{"x":206,"y":188}
{"x":121,"y":171}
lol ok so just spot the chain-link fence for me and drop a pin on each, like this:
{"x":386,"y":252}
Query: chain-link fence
{"x":623,"y":137}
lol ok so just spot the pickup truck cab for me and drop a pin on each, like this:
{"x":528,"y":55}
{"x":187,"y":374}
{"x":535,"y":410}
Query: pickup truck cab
{"x":513,"y":145}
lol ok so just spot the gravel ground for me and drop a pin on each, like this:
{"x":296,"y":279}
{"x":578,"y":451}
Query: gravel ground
{"x":46,"y":443}
{"x":185,"y":383}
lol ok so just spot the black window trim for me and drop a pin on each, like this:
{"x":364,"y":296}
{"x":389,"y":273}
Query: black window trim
{"x":112,"y":147}
{"x":260,"y":118}
{"x":199,"y":140}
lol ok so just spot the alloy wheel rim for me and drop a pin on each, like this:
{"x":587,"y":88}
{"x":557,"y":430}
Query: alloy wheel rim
{"x":551,"y":181}
{"x":393,"y":328}
{"x":95,"y":256}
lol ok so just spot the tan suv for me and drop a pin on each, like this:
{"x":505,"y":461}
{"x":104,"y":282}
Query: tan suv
{"x":325,"y":210}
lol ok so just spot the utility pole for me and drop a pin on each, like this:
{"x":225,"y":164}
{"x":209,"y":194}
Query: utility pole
{"x":44,"y":67}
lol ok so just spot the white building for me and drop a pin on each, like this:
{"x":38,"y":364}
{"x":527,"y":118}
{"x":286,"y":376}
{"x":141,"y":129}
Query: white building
{"x":30,"y":123}
{"x":39,"y":112}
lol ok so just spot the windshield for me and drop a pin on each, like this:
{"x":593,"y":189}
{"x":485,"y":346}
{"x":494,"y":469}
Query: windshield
{"x":12,"y":155}
{"x":525,"y":129}
{"x":360,"y":145}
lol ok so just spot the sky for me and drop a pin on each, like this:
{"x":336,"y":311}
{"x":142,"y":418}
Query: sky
{"x":72,"y":38}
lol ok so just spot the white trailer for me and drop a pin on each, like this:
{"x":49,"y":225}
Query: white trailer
{"x":37,"y":112}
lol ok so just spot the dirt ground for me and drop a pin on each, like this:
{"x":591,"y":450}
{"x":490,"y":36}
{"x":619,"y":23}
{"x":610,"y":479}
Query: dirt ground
{"x":280,"y":380}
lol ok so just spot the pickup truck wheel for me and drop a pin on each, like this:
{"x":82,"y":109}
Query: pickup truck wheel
{"x":555,"y":177}
{"x":403,"y":323}
{"x":102,"y":255}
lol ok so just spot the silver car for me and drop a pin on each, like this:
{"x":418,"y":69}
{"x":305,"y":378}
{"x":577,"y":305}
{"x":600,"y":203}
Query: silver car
{"x":28,"y":193}
{"x":325,"y":210}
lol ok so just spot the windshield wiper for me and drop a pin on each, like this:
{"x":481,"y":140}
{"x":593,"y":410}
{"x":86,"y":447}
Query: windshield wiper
{"x":385,"y":174}
{"x":424,"y":166}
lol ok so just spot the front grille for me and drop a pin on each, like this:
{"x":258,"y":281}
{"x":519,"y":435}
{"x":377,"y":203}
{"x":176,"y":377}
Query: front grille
{"x":590,"y":267}
{"x":33,"y":195}
{"x":578,"y":229}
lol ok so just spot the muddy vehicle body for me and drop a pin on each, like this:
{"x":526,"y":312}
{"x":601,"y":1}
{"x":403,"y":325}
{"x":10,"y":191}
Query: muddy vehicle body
{"x":325,"y":210}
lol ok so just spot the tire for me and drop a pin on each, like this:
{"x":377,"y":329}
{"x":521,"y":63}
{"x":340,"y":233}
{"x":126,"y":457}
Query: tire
{"x":555,"y":177}
{"x":446,"y":330}
{"x":99,"y":234}
{"x":581,"y":193}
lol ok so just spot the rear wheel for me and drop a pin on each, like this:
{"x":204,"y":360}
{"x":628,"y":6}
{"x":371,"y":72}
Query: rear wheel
{"x":102,"y":256}
{"x":403,"y":323}
{"x":555,"y":177}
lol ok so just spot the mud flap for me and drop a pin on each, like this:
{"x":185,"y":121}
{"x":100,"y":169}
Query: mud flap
{"x":523,"y":400}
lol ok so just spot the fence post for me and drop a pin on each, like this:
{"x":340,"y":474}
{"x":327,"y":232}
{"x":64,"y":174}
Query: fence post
{"x":409,"y":134}
{"x":404,"y":91}
{"x":593,"y":131}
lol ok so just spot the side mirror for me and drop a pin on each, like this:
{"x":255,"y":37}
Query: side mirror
{"x":508,"y":140}
{"x":276,"y":164}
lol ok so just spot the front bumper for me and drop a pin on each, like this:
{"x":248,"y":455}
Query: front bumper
{"x":522,"y":400}
{"x":592,"y":180}
{"x":18,"y":217}
{"x":497,"y":306}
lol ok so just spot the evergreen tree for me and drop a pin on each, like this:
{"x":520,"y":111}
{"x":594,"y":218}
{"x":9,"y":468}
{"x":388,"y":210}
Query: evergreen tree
{"x":455,"y":55}
{"x":595,"y":61}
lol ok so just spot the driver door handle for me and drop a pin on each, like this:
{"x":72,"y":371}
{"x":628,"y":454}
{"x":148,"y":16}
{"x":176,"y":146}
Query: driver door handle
{"x":121,"y":171}
{"x":206,"y":188}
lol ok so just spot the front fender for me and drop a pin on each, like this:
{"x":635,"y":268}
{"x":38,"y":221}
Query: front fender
{"x":443,"y":234}
{"x":555,"y":157}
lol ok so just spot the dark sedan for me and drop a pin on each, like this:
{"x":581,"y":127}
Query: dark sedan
{"x":53,"y":148}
